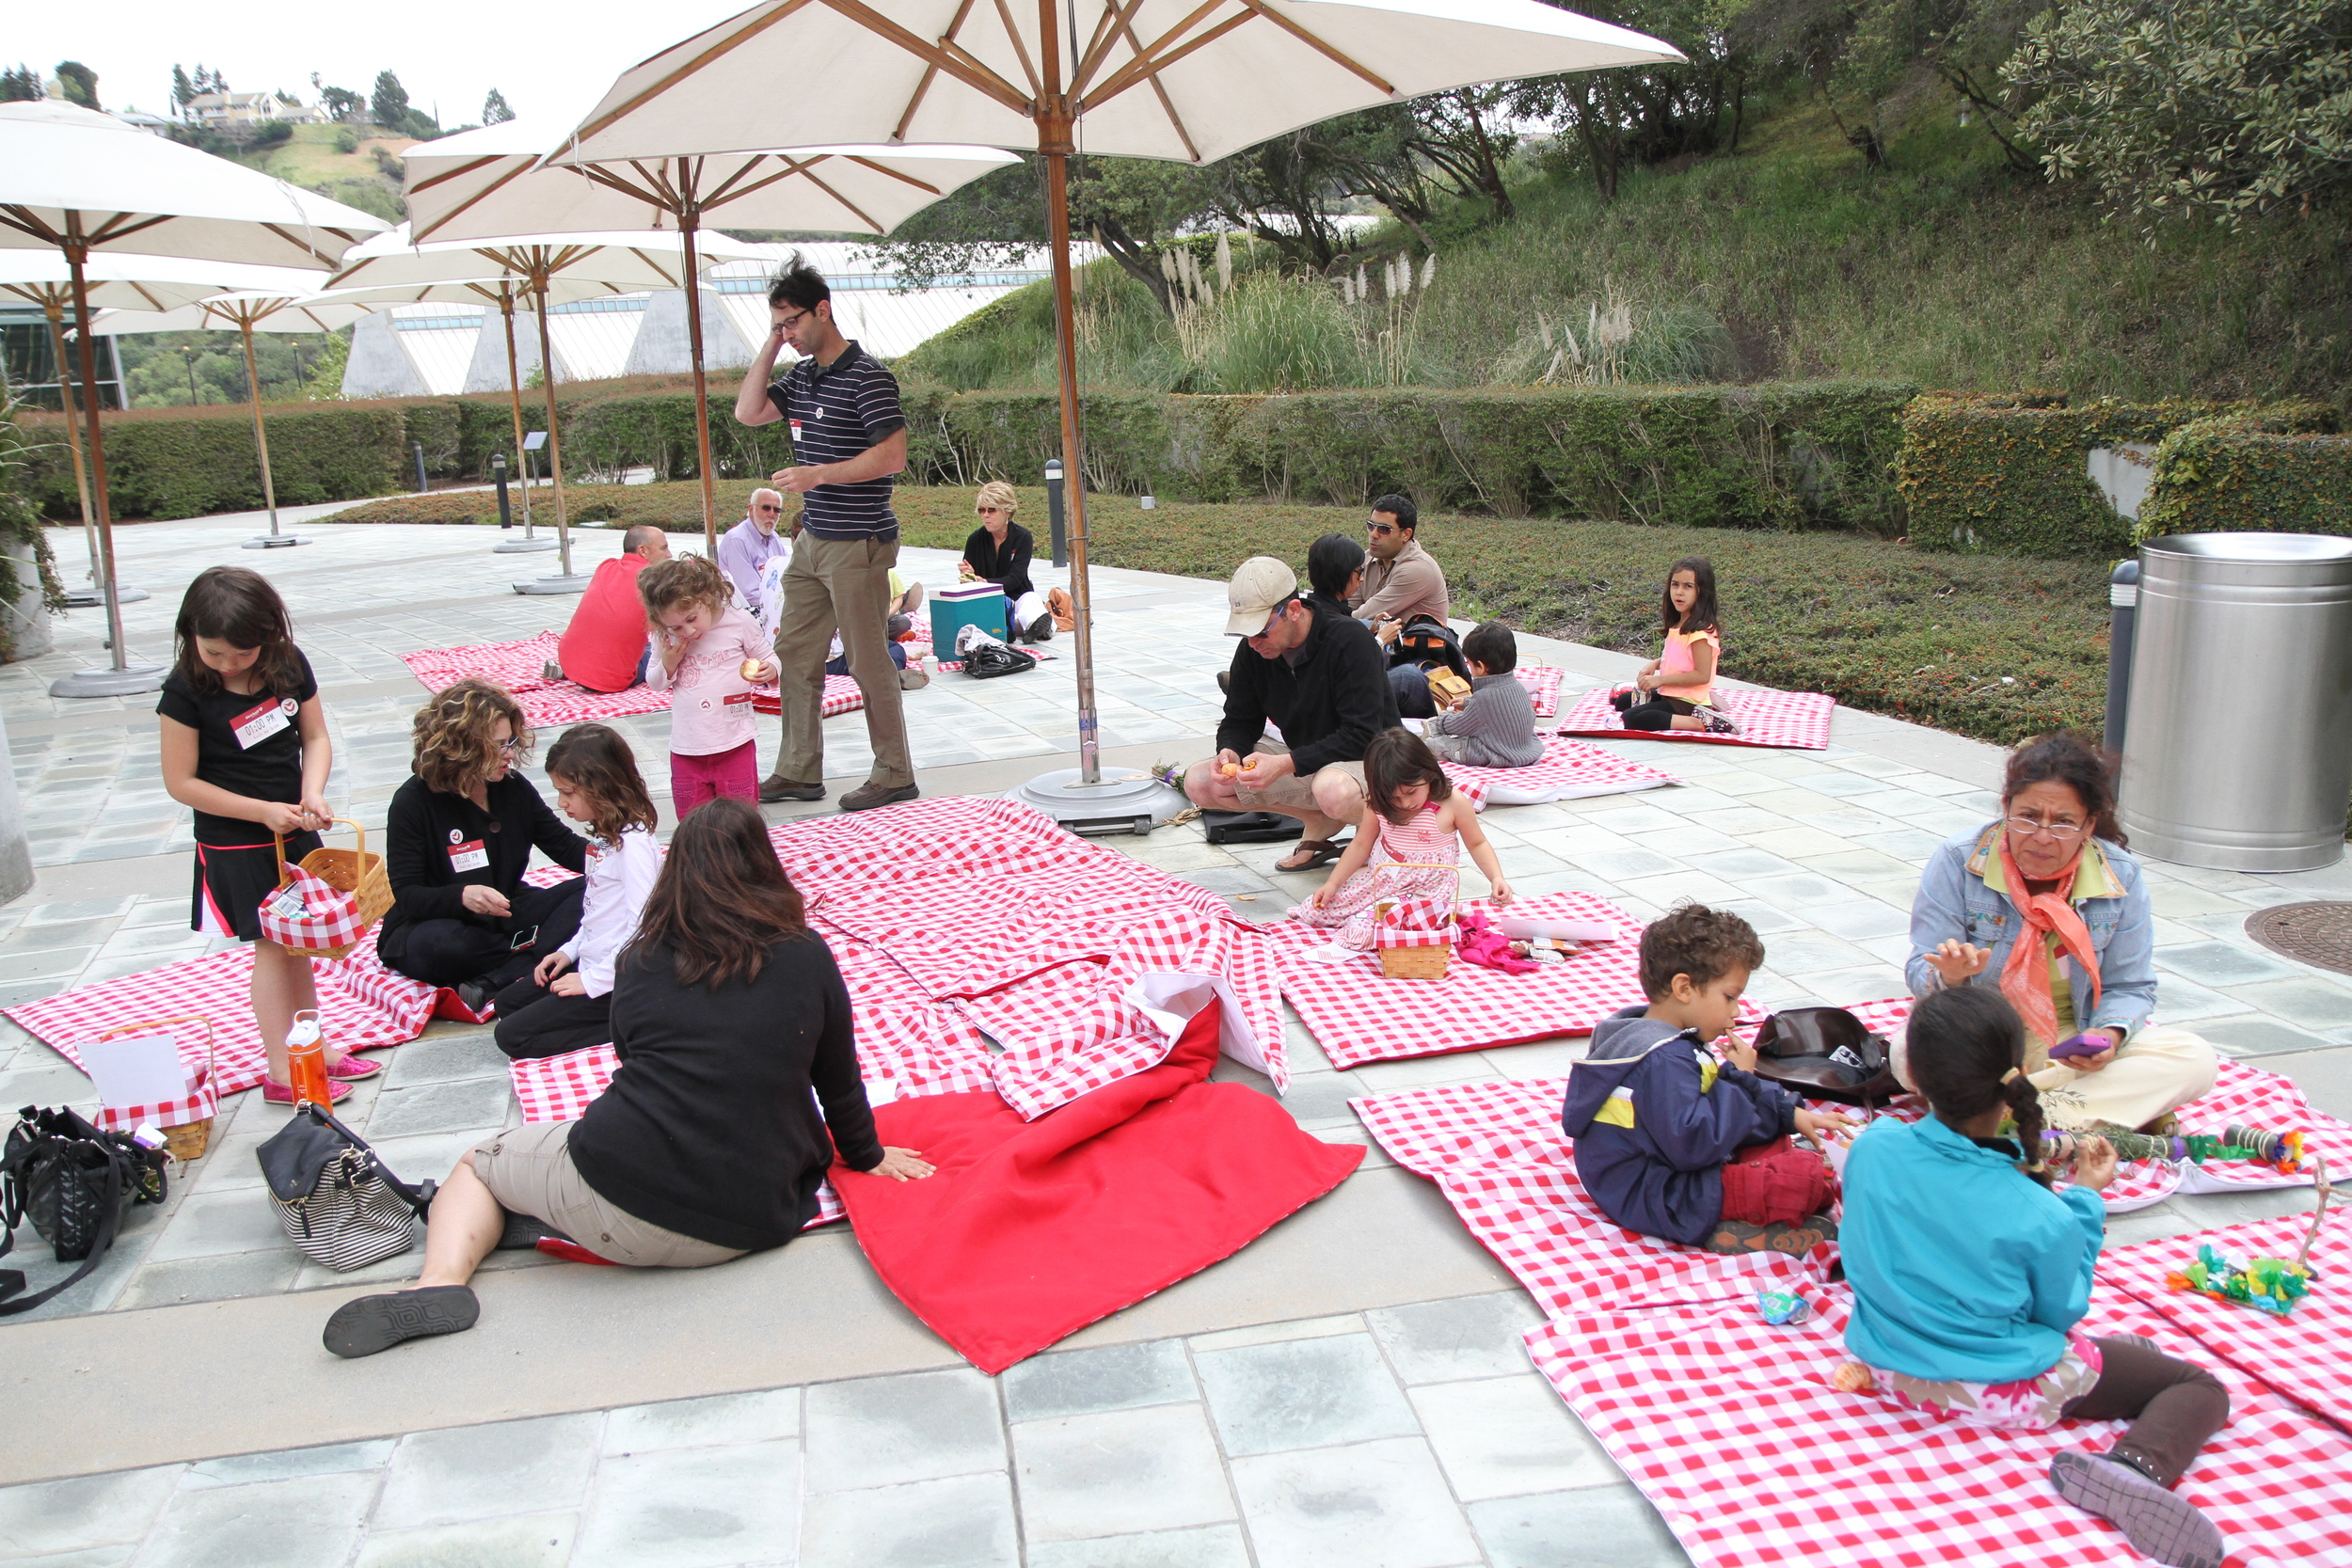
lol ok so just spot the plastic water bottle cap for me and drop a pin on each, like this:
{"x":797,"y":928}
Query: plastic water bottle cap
{"x":305,"y":1032}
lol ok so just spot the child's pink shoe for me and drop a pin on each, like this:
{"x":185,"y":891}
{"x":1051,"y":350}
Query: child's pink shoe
{"x":282,"y":1094}
{"x":352,"y":1068}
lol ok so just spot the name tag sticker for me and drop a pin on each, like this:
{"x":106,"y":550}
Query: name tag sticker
{"x":257,"y":724}
{"x":738,"y":699}
{"x":469,"y":856}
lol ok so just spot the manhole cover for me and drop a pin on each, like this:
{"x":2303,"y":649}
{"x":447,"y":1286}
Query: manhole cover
{"x":2317,"y":934}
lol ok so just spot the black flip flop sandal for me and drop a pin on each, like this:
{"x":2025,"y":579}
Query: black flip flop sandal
{"x":1320,"y":852}
{"x":374,"y":1323}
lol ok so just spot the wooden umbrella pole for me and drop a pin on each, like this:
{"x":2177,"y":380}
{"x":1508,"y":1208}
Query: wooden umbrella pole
{"x":555,"y":436}
{"x":514,"y":396}
{"x":1053,"y":142}
{"x":53,"y":308}
{"x":686,"y":221}
{"x":260,"y":435}
{"x":76,"y":251}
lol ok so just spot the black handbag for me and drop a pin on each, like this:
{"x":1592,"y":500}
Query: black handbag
{"x":989,"y":661}
{"x":1250,"y":826}
{"x":335,"y":1198}
{"x":1826,"y":1054}
{"x":75,"y":1183}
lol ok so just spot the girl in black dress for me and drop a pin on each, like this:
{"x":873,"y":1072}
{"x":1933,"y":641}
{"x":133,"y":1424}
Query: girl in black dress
{"x":244,"y":744}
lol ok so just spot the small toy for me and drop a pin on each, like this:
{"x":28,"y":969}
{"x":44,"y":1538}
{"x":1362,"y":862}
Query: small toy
{"x":2281,"y":1151}
{"x":2270,"y":1285}
{"x":1779,"y":1308}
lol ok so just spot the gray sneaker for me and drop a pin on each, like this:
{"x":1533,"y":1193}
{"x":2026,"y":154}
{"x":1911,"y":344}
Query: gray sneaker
{"x":2156,"y":1520}
{"x":866,"y":795}
{"x":550,"y":671}
{"x":912,"y":679}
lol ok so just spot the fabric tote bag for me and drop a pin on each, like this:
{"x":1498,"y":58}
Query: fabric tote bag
{"x":335,"y":1200}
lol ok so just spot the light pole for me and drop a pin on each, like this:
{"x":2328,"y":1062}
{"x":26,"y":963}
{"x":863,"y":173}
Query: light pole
{"x":187,"y":352}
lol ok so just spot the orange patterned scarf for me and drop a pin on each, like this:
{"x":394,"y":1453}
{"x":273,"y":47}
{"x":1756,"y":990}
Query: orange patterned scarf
{"x":2025,"y":978}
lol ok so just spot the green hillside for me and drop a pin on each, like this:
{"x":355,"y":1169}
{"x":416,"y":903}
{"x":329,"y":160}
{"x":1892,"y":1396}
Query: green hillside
{"x":366,"y":177}
{"x":1788,"y":257}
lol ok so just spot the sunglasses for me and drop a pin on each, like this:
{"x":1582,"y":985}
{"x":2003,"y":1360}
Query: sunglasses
{"x":1380,"y":527}
{"x":767,"y":508}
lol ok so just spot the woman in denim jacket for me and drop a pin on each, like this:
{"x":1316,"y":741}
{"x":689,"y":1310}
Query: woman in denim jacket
{"x":2054,"y":868}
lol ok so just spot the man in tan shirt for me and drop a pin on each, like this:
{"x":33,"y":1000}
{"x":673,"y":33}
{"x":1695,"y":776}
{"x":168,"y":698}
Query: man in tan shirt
{"x":1401,"y":580}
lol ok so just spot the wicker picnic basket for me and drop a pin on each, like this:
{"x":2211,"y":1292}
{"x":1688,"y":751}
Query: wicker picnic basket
{"x":1413,"y":964}
{"x":188,"y":1140}
{"x":351,"y":871}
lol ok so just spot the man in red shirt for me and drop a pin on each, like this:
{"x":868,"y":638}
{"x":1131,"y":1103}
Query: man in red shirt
{"x":604,"y":648}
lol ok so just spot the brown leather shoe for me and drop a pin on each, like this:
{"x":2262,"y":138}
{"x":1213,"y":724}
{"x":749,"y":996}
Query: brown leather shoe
{"x":775,"y":788}
{"x":866,"y":795}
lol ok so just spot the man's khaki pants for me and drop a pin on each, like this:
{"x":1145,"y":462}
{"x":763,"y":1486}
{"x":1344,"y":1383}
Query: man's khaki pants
{"x":844,"y":583}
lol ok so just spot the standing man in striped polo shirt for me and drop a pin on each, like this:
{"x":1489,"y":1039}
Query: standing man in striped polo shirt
{"x":847,"y":439}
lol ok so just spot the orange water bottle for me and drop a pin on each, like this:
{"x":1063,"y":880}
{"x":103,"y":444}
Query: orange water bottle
{"x":306,"y":1060}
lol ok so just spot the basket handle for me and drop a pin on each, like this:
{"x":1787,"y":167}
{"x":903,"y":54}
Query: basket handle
{"x":121,"y":1030}
{"x":279,"y":841}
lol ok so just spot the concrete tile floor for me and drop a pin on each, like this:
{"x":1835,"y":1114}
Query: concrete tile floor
{"x":1412,"y":1434}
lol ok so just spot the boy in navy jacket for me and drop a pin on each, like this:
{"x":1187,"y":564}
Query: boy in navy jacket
{"x":1673,"y":1144}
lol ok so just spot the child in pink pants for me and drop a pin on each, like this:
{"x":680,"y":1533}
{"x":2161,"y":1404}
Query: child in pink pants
{"x":708,"y":655}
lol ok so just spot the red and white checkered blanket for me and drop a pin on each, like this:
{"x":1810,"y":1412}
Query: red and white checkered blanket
{"x":1731,"y":1429}
{"x":518,"y":667}
{"x":1569,"y":771}
{"x":361,"y":1005}
{"x":1496,"y":1151}
{"x":1797,"y":720}
{"x":1359,"y":1016}
{"x":1543,"y":687}
{"x":558,"y":1088}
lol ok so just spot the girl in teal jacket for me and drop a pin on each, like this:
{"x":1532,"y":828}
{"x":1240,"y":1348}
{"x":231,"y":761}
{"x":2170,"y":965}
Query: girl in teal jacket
{"x":1970,"y":1274}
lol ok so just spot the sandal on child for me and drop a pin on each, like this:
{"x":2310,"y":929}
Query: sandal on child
{"x":1740,"y":1237}
{"x":1320,"y":852}
{"x":282,"y":1094}
{"x":374,"y":1323}
{"x":2156,"y":1520}
{"x":352,"y":1068}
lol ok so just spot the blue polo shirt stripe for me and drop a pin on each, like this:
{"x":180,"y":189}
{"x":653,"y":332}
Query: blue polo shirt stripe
{"x":837,"y":411}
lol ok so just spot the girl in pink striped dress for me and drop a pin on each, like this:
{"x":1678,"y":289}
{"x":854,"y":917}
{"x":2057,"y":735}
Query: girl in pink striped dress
{"x":1412,"y":817}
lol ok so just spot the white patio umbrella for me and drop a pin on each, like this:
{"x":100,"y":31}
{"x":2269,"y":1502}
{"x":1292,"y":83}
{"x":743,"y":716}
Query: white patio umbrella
{"x":119,"y":282}
{"x":640,"y":259}
{"x":74,"y":182}
{"x":1185,"y":80}
{"x":493,"y":181}
{"x":504,"y":292}
{"x":266,"y":310}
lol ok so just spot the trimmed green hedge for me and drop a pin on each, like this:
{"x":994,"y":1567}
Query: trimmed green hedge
{"x":2012,"y":473}
{"x":2275,"y":472}
{"x":187,"y":466}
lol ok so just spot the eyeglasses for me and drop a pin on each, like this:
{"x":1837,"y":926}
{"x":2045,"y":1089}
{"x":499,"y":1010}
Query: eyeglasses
{"x":795,"y":319}
{"x":767,"y":508}
{"x":2064,"y":832}
{"x":506,"y":747}
{"x":1380,"y":527}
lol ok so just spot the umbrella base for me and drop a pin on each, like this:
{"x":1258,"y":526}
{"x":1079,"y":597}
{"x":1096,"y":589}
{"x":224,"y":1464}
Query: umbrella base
{"x":91,"y":598}
{"x":577,"y":583}
{"x":106,"y":681}
{"x":274,"y":542}
{"x":522,"y":547}
{"x":1123,"y":801}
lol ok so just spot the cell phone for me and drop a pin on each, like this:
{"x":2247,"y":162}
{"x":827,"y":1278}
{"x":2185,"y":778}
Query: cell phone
{"x":2088,"y":1044}
{"x":523,"y":938}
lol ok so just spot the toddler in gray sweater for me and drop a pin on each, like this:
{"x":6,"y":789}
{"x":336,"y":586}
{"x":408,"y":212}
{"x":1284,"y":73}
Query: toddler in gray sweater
{"x":1496,"y":726}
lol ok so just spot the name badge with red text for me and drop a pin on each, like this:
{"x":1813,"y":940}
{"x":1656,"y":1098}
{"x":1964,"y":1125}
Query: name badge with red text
{"x":738,"y":699}
{"x":257,"y":724}
{"x":469,"y":856}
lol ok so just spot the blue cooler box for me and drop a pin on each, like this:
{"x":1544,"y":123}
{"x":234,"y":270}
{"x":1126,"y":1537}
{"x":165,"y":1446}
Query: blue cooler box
{"x":970,"y":604}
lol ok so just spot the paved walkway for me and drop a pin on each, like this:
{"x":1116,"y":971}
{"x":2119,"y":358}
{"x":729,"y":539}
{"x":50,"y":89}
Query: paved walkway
{"x":1348,"y":1391}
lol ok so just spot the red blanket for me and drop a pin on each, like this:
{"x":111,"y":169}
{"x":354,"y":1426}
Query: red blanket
{"x":1031,"y":1230}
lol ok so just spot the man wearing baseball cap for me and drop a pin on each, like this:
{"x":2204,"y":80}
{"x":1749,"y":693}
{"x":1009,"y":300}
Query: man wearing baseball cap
{"x":1315,"y":672}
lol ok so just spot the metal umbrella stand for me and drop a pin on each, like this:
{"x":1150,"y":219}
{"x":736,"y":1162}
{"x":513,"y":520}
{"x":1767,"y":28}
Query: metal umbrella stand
{"x":1221,"y":74}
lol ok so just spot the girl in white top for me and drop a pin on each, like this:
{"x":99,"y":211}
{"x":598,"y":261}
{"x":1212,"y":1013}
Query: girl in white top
{"x":565,"y":1002}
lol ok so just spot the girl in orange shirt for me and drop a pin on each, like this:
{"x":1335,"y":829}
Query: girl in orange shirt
{"x":1675,"y":691}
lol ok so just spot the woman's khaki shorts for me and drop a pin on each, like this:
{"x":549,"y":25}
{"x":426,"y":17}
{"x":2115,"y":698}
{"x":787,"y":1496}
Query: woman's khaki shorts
{"x":529,"y":1170}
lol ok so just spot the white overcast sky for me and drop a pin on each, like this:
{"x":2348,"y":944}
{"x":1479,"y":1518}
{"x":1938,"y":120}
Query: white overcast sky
{"x":552,"y":62}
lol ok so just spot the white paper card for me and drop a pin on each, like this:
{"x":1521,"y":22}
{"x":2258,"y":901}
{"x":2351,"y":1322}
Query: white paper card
{"x":1521,"y":928}
{"x":140,"y":1069}
{"x":1170,"y":1000}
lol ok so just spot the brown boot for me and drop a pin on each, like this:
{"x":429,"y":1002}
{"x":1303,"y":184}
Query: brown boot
{"x":869,"y":795}
{"x":775,"y":787}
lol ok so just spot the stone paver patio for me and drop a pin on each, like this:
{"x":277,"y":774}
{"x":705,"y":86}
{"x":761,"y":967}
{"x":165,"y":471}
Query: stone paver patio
{"x":1348,"y":1391}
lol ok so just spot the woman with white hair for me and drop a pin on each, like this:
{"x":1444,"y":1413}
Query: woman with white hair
{"x":998,"y":551}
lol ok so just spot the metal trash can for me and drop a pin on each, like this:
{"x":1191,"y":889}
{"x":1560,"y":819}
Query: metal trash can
{"x":2238,"y":734}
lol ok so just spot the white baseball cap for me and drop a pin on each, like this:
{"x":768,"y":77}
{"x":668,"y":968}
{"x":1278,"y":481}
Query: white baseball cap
{"x":1261,"y":583}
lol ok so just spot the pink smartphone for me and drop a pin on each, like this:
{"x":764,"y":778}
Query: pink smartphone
{"x":2081,"y":1045}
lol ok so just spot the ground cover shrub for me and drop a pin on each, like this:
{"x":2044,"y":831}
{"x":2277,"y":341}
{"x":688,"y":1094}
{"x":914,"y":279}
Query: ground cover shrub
{"x":170,"y":463}
{"x":1997,"y":647}
{"x":2267,"y":472}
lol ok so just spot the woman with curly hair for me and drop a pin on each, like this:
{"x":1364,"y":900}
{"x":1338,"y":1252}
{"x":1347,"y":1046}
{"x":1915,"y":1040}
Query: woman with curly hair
{"x":458,"y":838}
